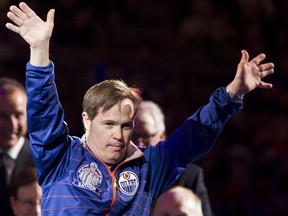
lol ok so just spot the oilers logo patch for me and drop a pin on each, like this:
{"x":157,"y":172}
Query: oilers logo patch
{"x":128,"y":183}
{"x":89,"y":177}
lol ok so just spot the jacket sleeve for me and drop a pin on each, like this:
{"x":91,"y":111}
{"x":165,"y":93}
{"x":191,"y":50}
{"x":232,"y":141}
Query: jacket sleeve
{"x":46,"y":127}
{"x":194,"y":138}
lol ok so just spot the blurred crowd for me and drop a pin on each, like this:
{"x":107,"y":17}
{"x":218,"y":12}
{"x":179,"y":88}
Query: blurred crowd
{"x":179,"y":51}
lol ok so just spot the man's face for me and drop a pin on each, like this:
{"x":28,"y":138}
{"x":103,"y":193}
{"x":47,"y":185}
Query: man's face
{"x":109,"y":133}
{"x":145,"y":132}
{"x":28,"y":201}
{"x":13,"y":118}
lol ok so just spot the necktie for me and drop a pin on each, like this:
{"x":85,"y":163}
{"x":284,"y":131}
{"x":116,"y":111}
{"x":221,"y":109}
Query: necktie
{"x":2,"y":170}
{"x":4,"y":195}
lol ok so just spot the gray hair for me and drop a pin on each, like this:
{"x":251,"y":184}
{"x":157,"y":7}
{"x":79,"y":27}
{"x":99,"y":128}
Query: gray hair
{"x":154,"y":110}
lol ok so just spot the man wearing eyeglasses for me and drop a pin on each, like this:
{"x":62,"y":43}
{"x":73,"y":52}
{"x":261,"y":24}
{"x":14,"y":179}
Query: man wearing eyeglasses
{"x":26,"y":194}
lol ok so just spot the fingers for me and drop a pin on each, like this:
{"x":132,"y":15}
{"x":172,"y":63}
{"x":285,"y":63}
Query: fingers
{"x":26,"y":9}
{"x":17,"y":12}
{"x":14,"y":15}
{"x":50,"y":16}
{"x":265,"y":70}
{"x":14,"y":18}
{"x":265,"y":85}
{"x":266,"y":66}
{"x":266,"y":73}
{"x":12,"y":27}
{"x":245,"y":57}
{"x":17,"y":16}
{"x":24,"y":14}
{"x":258,"y":59}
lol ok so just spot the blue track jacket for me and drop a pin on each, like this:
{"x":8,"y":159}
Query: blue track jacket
{"x":74,"y":182}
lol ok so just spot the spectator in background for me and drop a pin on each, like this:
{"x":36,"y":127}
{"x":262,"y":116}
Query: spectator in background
{"x":178,"y":201}
{"x":149,"y":125}
{"x":14,"y":146}
{"x":149,"y":129}
{"x":26,"y":193}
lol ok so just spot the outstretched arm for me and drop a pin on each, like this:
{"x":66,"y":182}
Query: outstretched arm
{"x":33,"y":30}
{"x":249,"y":75}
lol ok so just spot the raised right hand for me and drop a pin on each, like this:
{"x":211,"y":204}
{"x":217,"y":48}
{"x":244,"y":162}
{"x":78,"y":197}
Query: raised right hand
{"x":30,"y":26}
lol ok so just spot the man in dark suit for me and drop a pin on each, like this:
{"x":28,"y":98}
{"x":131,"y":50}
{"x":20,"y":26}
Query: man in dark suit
{"x":14,"y":146}
{"x":148,"y":130}
{"x":193,"y":178}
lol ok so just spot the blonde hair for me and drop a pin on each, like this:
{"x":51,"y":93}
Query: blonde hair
{"x":108,"y":93}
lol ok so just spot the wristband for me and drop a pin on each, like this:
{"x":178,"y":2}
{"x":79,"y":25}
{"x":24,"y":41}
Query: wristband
{"x":232,"y":96}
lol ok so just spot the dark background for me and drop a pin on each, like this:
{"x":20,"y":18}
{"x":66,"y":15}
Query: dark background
{"x":179,"y":52}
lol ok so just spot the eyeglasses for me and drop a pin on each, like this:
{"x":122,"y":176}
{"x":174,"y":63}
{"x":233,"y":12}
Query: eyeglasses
{"x":144,"y":137}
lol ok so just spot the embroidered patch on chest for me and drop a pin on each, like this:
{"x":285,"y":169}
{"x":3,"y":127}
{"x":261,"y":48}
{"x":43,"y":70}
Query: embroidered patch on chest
{"x":128,"y":183}
{"x":89,"y":177}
